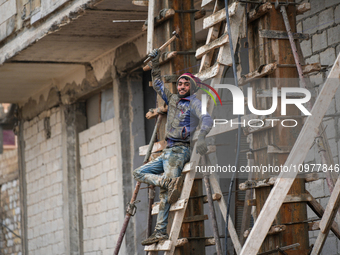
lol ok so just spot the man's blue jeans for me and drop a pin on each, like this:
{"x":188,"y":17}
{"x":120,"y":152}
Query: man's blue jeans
{"x":157,"y":172}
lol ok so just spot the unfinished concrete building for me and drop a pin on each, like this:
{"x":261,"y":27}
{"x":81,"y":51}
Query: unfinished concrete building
{"x":73,"y":74}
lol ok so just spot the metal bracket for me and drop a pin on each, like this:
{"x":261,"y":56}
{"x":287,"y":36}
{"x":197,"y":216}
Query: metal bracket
{"x":132,"y":208}
{"x":278,"y":4}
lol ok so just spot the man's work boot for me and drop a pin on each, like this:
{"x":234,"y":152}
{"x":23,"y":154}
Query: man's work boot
{"x":175,"y":189}
{"x":155,"y":238}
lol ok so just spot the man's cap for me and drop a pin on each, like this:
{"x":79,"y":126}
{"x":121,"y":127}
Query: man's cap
{"x":195,"y":81}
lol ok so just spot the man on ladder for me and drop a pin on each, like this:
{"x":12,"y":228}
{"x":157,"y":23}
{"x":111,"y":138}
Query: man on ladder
{"x":184,"y":115}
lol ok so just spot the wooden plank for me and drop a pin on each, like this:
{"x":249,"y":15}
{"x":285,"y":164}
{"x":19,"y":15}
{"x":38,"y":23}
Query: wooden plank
{"x":219,"y":16}
{"x":298,"y":198}
{"x":179,"y":215}
{"x":195,"y":218}
{"x":296,"y":157}
{"x":165,"y":245}
{"x":314,"y":67}
{"x":332,"y":207}
{"x":209,"y":73}
{"x":319,"y":210}
{"x":253,"y":184}
{"x":278,"y":149}
{"x":174,"y":207}
{"x":212,"y":45}
{"x":158,"y":146}
{"x":161,"y":246}
{"x":264,"y":71}
{"x":281,"y":35}
{"x":302,"y":8}
{"x":223,"y":207}
{"x":150,"y":32}
{"x":259,"y":12}
{"x":327,"y":219}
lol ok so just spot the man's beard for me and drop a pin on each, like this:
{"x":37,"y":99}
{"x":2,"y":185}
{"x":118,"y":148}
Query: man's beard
{"x":185,"y":95}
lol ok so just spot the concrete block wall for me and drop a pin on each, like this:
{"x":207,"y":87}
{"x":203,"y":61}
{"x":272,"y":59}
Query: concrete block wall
{"x":322,"y":22}
{"x":10,"y":244}
{"x":43,"y":158}
{"x":98,"y":159}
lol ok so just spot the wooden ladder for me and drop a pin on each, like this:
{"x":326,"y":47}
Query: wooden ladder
{"x":213,"y":71}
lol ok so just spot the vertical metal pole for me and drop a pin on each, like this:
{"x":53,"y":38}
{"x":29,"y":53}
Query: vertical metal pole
{"x":135,"y":192}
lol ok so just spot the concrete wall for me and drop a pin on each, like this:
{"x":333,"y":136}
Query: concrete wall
{"x":98,"y":158}
{"x":10,"y":204}
{"x":322,"y":22}
{"x":44,"y":175}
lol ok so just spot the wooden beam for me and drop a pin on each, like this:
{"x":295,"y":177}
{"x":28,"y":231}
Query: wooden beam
{"x":327,"y":219}
{"x":195,"y":218}
{"x":219,"y":16}
{"x":209,"y":72}
{"x":169,"y":13}
{"x":252,"y":184}
{"x":165,"y":245}
{"x":212,"y":45}
{"x":302,"y":8}
{"x":264,"y":71}
{"x":296,"y":157}
{"x":259,"y":12}
{"x":150,"y":32}
{"x":281,"y":35}
{"x":200,"y":14}
{"x":319,"y":210}
{"x":209,"y":242}
{"x":223,"y":207}
{"x":272,"y":231}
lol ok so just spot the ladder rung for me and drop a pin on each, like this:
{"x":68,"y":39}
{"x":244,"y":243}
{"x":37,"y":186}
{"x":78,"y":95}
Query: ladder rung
{"x":212,"y":45}
{"x":165,"y":245}
{"x":174,"y":207}
{"x":161,"y":246}
{"x":219,"y":16}
{"x":186,"y":168}
{"x":209,"y":73}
